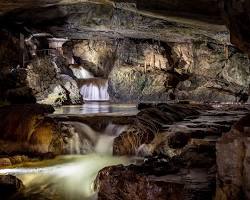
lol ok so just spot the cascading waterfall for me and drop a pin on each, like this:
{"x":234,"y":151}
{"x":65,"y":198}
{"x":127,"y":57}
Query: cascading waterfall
{"x":86,"y":140}
{"x":81,"y":73}
{"x":105,"y":141}
{"x":75,"y":144}
{"x":91,"y":88}
{"x":95,"y":89}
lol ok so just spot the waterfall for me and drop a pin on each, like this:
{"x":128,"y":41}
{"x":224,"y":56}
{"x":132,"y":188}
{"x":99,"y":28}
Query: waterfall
{"x":91,"y":88}
{"x":85,"y":140}
{"x":95,"y":89}
{"x":75,"y":144}
{"x":81,"y":73}
{"x":106,"y":140}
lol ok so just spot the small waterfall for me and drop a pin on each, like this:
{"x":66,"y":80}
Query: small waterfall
{"x":86,"y":140}
{"x":106,"y":140}
{"x":81,"y":73}
{"x":95,"y":89}
{"x":75,"y":144}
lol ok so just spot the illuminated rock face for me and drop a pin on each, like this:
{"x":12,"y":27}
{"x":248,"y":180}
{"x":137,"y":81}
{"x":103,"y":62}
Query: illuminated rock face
{"x":138,"y":70}
{"x":194,"y":71}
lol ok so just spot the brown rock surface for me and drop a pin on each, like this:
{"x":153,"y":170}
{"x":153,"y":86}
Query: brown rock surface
{"x":9,"y":186}
{"x":232,"y":161}
{"x":24,"y":129}
{"x":157,"y":178}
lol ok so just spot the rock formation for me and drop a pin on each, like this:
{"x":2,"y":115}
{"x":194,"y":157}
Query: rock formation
{"x":190,"y":55}
{"x":232,"y":162}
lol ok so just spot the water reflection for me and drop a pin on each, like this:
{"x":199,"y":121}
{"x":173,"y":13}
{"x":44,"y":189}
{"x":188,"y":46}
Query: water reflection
{"x":99,"y":107}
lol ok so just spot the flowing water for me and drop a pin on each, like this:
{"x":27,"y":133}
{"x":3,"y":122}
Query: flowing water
{"x":95,"y":89}
{"x":63,"y":178}
{"x":72,"y":177}
{"x":86,"y":140}
{"x":81,"y":73}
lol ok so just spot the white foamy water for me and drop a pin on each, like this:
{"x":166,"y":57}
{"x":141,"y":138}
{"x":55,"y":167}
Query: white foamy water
{"x":81,"y":73}
{"x":63,"y":178}
{"x":95,"y":90}
{"x":86,"y":140}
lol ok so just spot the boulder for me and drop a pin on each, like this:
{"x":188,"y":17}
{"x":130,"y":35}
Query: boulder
{"x":49,"y":86}
{"x":9,"y":186}
{"x":233,"y":162}
{"x":147,"y":125}
{"x":157,"y":178}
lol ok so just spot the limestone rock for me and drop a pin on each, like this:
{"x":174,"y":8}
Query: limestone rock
{"x":26,"y":130}
{"x":49,"y":86}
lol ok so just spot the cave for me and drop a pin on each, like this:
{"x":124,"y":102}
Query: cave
{"x":124,"y":99}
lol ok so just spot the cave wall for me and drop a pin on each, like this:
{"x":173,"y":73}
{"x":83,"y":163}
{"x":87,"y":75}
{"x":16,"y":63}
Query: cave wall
{"x":40,"y":79}
{"x":137,"y":70}
{"x":147,"y":70}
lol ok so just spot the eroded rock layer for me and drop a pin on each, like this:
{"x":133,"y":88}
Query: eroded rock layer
{"x":181,"y":162}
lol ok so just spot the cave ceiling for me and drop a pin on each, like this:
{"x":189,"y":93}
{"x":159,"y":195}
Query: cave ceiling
{"x":164,"y":20}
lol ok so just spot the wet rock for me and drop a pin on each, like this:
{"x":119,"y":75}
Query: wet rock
{"x":17,"y":121}
{"x":4,"y":162}
{"x":194,"y":135}
{"x":26,"y":130}
{"x":134,"y":186}
{"x":97,"y":56}
{"x":9,"y":186}
{"x":156,"y":178}
{"x":178,"y":140}
{"x":12,"y":160}
{"x":129,"y":141}
{"x":232,"y":162}
{"x":147,"y":124}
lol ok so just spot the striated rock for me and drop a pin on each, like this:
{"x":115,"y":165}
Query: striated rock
{"x":169,"y":20}
{"x":117,"y":20}
{"x":138,"y":70}
{"x":232,"y":161}
{"x":182,"y":156}
{"x":147,"y":124}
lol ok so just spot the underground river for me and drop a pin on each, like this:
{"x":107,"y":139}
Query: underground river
{"x":71,"y":177}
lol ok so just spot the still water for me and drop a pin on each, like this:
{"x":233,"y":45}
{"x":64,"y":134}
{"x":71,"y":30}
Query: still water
{"x":99,"y":108}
